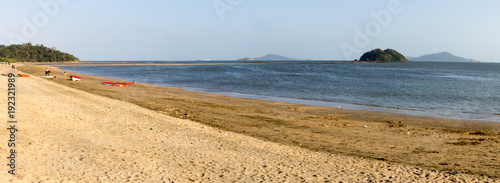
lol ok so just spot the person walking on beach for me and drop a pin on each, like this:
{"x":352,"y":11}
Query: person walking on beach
{"x":47,"y":72}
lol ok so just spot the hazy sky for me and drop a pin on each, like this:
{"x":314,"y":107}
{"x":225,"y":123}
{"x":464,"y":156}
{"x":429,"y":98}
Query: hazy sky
{"x":231,"y":29}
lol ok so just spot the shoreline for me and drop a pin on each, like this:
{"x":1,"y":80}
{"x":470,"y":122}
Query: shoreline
{"x":492,"y":118}
{"x":387,"y":137}
{"x":456,"y":115}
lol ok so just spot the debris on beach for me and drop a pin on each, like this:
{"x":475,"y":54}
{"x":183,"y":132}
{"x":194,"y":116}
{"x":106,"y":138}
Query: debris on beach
{"x":396,"y":123}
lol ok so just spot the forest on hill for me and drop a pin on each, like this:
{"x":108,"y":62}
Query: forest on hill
{"x":33,"y":53}
{"x":387,"y":55}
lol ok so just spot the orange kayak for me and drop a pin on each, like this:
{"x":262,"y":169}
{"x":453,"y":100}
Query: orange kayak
{"x":23,"y":75}
{"x":117,"y":84}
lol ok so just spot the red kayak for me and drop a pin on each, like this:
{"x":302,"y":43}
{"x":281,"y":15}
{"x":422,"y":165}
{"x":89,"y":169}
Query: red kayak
{"x":117,"y":83}
{"x":75,"y":78}
{"x":23,"y":75}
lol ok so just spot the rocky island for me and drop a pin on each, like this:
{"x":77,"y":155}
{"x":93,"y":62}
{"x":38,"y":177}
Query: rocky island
{"x":387,"y":55}
{"x":245,"y":59}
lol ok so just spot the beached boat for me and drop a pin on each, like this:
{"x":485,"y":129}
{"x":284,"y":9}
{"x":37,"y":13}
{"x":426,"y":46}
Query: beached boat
{"x":117,"y":83}
{"x":75,"y":78}
{"x":49,"y":77}
{"x":10,"y":76}
{"x":23,"y":75}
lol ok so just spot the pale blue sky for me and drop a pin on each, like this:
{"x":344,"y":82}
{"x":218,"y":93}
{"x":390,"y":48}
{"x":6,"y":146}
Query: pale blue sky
{"x":230,"y":29}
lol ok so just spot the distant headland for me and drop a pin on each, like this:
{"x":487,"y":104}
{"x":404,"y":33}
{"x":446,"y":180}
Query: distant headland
{"x":376,"y":55}
{"x":268,"y":57}
{"x":441,"y":57}
{"x":33,"y":53}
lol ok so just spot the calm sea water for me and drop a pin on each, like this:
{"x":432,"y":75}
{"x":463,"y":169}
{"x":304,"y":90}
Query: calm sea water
{"x":450,"y":90}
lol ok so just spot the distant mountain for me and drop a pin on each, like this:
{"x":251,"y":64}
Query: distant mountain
{"x":441,"y":57}
{"x":274,"y":57}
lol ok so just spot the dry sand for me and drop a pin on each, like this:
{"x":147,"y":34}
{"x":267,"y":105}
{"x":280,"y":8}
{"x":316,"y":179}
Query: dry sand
{"x":70,"y":135}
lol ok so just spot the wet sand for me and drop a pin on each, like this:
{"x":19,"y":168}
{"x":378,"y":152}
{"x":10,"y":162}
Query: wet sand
{"x":326,"y":143}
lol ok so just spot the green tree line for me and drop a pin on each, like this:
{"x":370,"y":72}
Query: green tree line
{"x":33,"y":53}
{"x":5,"y":60}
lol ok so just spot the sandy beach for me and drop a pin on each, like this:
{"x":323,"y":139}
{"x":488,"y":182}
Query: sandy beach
{"x":83,"y":131}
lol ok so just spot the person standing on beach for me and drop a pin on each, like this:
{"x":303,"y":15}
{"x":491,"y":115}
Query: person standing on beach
{"x":64,"y":75}
{"x":47,"y":72}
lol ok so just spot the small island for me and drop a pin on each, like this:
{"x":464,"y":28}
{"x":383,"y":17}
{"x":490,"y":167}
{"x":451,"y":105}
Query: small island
{"x":388,"y":55}
{"x":246,"y":59}
{"x":274,"y":57}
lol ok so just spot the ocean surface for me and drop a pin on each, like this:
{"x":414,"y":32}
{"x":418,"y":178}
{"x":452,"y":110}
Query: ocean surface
{"x":448,"y":90}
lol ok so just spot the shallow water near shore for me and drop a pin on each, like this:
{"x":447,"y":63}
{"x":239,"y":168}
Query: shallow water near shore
{"x":448,"y":90}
